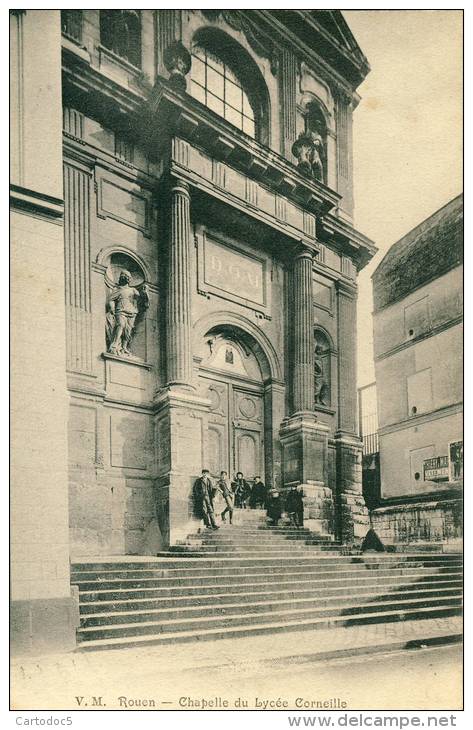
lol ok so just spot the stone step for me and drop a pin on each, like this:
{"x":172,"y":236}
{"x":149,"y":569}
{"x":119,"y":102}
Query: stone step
{"x":328,"y":560}
{"x":298,"y":585}
{"x":257,"y":538}
{"x":255,"y":601}
{"x":242,"y":545}
{"x":251,"y":578}
{"x":321,"y":568}
{"x":136,"y":623}
{"x":169,"y":632}
{"x":246,"y":552}
{"x":187,"y":577}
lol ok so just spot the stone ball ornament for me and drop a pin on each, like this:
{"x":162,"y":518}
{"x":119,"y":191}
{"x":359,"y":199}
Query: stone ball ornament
{"x":177,"y":60}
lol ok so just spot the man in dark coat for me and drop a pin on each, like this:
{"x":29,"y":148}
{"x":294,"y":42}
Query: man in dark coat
{"x":292,"y":504}
{"x":258,"y":493}
{"x":242,"y":491}
{"x":273,"y":506}
{"x":300,"y":507}
{"x":295,"y":506}
{"x":204,"y":499}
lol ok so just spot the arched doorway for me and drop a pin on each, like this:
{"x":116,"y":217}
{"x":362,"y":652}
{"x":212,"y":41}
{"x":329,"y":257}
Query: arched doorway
{"x":231,"y":378}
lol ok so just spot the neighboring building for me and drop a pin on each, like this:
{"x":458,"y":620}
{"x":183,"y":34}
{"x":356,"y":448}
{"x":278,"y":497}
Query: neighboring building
{"x":418,"y":348}
{"x":209,"y":155}
{"x":368,"y":421}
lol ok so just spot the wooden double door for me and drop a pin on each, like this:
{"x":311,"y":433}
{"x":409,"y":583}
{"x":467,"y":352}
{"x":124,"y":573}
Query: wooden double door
{"x":235,"y":427}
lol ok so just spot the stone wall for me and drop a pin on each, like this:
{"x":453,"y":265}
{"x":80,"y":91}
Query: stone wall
{"x":419,"y":522}
{"x":43,"y":613}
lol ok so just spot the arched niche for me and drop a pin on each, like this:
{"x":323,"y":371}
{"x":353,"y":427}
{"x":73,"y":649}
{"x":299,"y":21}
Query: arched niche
{"x":225,"y":350}
{"x":126,"y":337}
{"x":323,"y":361}
{"x":248,"y":333}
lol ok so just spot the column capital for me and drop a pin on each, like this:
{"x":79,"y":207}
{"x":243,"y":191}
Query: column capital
{"x":179,"y":185}
{"x":303,"y":250}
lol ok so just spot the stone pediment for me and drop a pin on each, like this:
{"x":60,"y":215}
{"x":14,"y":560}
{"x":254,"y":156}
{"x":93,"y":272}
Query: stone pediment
{"x":334,"y":23}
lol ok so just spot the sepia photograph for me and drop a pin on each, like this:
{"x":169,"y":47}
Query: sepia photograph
{"x":236,"y":361}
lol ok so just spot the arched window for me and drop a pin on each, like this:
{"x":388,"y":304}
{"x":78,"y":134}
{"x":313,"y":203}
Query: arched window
{"x":215,"y":83}
{"x":322,"y":370}
{"x":120,"y":32}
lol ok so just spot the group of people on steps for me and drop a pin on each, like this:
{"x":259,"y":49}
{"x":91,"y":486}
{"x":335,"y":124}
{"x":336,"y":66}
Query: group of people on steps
{"x":210,"y":495}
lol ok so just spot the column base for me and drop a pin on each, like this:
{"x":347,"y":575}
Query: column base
{"x":181,"y":432}
{"x":44,"y":625}
{"x":318,"y":508}
{"x":305,"y":463}
{"x":352,"y":517}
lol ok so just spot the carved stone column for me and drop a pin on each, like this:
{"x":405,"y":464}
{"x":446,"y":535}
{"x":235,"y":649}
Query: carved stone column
{"x":180,"y":427}
{"x":303,"y":438}
{"x":303,"y":375}
{"x":178,"y":310}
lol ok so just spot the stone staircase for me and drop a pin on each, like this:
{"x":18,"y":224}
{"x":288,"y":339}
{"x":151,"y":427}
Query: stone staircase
{"x":249,"y":578}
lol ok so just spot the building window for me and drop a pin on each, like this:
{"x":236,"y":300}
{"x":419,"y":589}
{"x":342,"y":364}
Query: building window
{"x":71,"y":24}
{"x":120,"y":32}
{"x":217,"y":86}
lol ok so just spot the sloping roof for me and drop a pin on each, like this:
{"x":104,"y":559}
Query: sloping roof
{"x":431,"y":249}
{"x":327,"y":33}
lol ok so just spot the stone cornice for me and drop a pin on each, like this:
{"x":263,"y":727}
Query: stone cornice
{"x":419,"y":419}
{"x":78,"y":151}
{"x":175,"y":112}
{"x":35,"y":202}
{"x":95,"y":93}
{"x":356,"y":64}
{"x":429,"y":500}
{"x":331,"y":229}
{"x":423,"y":336}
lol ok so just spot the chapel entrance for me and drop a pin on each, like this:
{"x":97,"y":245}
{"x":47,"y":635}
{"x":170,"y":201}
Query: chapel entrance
{"x":231,"y":379}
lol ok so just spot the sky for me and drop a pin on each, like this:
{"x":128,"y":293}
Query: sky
{"x":407,"y":133}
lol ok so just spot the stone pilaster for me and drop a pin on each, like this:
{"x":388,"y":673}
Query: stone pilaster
{"x":344,"y":123}
{"x":347,"y":394}
{"x":168,"y":30}
{"x":304,"y":439}
{"x":287,"y":91}
{"x":352,"y":514}
{"x":180,"y":434}
{"x":178,"y":306}
{"x":77,"y":270}
{"x":303,"y":343}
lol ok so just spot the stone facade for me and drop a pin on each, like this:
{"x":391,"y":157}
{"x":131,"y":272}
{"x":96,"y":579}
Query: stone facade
{"x":242,"y":262}
{"x":418,"y":344}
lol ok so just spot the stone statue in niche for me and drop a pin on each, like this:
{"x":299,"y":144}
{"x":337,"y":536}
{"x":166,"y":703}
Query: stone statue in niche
{"x":309,"y":150}
{"x":126,"y":306}
{"x":321,"y":377}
